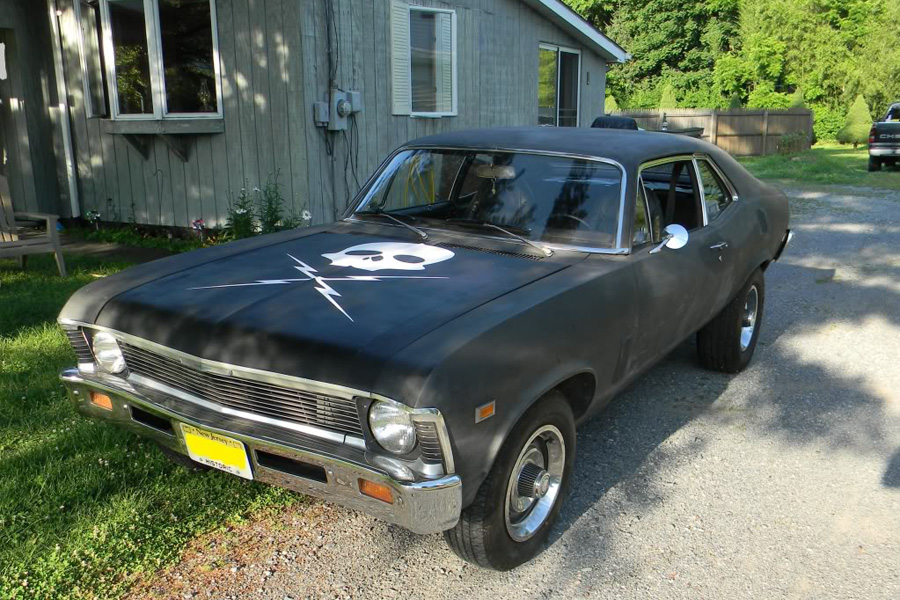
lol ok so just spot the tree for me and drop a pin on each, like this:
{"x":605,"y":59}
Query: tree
{"x":711,"y":50}
{"x":856,"y":127}
{"x":668,"y":97}
{"x":610,"y":104}
{"x":797,"y":99}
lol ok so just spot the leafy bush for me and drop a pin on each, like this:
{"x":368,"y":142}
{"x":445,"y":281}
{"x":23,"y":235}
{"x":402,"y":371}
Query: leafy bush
{"x":765,"y":96}
{"x":857,"y":125}
{"x":610,"y":105}
{"x":261,"y":211}
{"x":270,"y":205}
{"x":790,"y":143}
{"x":668,"y":100}
{"x":827,"y":122}
{"x":241,"y":221}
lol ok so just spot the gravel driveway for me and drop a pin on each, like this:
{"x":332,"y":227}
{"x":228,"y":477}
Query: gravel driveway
{"x":783,"y":481}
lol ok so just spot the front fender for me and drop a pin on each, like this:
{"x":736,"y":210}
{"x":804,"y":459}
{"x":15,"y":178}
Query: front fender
{"x":515,"y":349}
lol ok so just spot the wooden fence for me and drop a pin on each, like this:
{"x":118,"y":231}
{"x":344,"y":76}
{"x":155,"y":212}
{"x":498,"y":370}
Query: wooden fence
{"x":741,"y":132}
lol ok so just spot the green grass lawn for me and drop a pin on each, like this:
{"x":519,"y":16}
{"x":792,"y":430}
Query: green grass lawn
{"x":825,"y":164}
{"x":84,"y":506}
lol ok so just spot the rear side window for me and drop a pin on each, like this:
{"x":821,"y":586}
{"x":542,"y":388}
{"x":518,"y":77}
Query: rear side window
{"x":672,"y":193}
{"x":715,"y":192}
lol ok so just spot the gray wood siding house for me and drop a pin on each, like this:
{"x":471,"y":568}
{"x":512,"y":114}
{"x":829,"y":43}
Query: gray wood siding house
{"x":174,"y":106}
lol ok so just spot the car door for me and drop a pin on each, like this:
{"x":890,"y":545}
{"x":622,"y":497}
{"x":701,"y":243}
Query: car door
{"x":676,"y":289}
{"x":726,"y":232}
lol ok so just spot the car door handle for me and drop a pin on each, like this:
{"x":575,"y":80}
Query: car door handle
{"x":719,"y":246}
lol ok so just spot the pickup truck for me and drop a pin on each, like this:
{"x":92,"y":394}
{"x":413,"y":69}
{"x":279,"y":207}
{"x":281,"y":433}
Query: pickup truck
{"x":884,"y":140}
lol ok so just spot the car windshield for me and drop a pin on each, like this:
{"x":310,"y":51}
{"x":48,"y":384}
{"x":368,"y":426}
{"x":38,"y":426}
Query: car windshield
{"x":543,"y":198}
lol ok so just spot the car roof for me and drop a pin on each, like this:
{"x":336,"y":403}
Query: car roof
{"x":629,"y":148}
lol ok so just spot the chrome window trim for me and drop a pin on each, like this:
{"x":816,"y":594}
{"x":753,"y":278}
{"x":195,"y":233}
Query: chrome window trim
{"x":717,"y":171}
{"x":698,"y":181}
{"x":619,"y":249}
{"x":249,"y":373}
{"x":731,"y":189}
{"x":640,"y":187}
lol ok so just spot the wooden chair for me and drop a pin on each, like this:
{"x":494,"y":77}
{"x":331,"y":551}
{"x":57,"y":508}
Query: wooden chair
{"x":18,"y":244}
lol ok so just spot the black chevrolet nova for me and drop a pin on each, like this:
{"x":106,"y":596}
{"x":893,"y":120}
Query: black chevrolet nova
{"x":426,"y":358}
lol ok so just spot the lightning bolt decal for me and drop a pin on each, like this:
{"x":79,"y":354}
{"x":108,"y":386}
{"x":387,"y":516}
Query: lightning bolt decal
{"x":327,"y":292}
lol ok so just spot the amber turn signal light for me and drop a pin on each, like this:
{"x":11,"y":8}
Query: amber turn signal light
{"x":376,"y":490}
{"x":101,"y":400}
{"x":485,"y":411}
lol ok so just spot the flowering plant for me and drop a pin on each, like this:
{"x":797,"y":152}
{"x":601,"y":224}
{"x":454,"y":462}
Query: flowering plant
{"x":199,"y":226}
{"x":93,"y":217}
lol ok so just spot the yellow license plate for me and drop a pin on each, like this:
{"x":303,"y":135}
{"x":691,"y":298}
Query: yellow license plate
{"x":217,"y":451}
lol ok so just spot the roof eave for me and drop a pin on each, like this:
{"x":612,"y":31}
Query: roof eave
{"x":577,"y":27}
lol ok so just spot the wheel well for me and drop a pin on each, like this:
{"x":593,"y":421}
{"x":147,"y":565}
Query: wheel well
{"x":765,"y":266}
{"x":579,"y":392}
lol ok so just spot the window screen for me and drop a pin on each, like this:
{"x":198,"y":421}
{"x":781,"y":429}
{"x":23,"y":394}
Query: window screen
{"x":422,"y":60}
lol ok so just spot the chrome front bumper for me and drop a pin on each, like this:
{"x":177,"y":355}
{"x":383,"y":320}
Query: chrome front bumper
{"x":422,"y":507}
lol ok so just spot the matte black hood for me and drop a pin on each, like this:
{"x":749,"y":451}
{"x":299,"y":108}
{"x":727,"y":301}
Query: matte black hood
{"x":307,"y":307}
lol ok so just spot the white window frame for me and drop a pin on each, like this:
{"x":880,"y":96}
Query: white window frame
{"x":83,"y":57}
{"x":157,"y":71}
{"x":453,"y":112}
{"x":559,"y":50}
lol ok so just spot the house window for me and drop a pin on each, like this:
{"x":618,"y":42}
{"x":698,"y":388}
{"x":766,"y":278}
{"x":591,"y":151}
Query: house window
{"x":559,"y":86}
{"x":423,"y":60}
{"x":162,"y":58}
{"x":87,"y":14}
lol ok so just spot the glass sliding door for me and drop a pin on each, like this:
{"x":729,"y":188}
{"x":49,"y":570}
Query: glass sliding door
{"x":547,"y":81}
{"x":559,"y":86}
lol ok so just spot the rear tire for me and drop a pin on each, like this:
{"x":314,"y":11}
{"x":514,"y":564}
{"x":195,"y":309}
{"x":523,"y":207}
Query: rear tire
{"x":486,"y":529}
{"x":183,"y":461}
{"x":874,"y":165}
{"x":727,"y":342}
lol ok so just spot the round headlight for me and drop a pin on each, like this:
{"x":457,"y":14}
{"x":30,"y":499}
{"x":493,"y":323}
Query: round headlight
{"x":107,"y":352}
{"x":392,"y":428}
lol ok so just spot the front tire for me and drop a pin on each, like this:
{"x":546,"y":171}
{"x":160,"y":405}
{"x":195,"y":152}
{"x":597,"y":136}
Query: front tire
{"x":874,"y":165}
{"x":517,"y":504}
{"x":728,"y":341}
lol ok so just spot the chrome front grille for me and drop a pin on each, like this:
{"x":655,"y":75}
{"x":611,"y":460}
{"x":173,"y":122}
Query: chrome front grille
{"x":429,"y":443}
{"x":80,"y":345}
{"x":248,"y":395}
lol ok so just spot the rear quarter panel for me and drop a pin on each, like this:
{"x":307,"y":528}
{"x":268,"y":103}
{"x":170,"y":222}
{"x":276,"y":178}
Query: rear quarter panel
{"x":764,"y":217}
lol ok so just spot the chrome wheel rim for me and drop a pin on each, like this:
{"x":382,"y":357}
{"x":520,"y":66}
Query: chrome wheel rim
{"x":748,"y":322}
{"x":534,"y":484}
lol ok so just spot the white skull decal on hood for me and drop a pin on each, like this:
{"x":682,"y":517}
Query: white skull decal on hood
{"x":384,"y":256}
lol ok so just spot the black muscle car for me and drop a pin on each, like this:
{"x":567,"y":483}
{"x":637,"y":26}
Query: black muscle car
{"x":427,"y":358}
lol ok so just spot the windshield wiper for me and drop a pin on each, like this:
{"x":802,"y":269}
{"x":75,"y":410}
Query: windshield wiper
{"x":413,"y":228}
{"x":489,"y":225}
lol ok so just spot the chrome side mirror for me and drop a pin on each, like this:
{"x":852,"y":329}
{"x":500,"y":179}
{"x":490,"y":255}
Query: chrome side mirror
{"x":675,"y":237}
